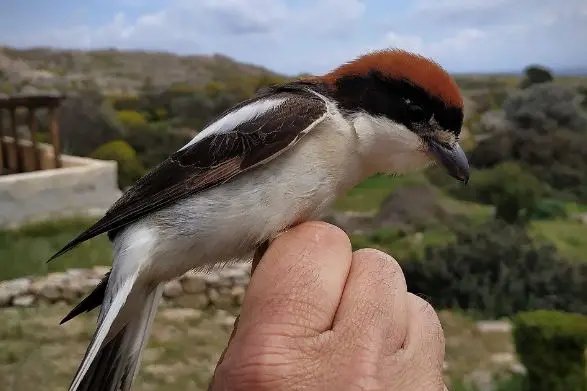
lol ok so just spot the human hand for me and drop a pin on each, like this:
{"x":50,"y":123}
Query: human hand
{"x":317,"y":316}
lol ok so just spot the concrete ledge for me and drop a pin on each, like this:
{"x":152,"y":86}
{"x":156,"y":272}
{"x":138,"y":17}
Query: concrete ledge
{"x":81,"y":187}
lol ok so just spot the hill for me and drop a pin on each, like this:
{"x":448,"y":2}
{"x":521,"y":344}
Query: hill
{"x":114,"y":71}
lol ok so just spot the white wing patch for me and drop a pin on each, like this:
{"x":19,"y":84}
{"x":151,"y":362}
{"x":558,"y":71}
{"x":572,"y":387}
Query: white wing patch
{"x":234,"y":118}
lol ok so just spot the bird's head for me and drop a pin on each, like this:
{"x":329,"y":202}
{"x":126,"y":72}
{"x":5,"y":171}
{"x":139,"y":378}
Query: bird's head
{"x":407,"y":110}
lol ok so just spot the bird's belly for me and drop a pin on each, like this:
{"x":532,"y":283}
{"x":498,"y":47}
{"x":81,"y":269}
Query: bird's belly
{"x":226,"y":223}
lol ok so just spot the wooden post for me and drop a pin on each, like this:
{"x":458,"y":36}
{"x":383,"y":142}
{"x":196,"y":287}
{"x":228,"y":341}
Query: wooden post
{"x":33,"y":132}
{"x":55,"y":136}
{"x":17,"y":150}
{"x":3,"y":146}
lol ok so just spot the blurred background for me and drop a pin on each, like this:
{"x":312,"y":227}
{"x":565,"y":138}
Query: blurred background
{"x":94,"y":94}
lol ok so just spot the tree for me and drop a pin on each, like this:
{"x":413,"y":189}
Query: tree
{"x":87,"y":121}
{"x":129,"y":166}
{"x":495,"y":270}
{"x":536,"y":74}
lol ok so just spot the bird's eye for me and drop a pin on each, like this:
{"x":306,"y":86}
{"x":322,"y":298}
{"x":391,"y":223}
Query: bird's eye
{"x":417,"y":113}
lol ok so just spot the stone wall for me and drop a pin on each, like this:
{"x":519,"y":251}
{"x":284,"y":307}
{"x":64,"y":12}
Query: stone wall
{"x":221,"y":287}
{"x":82,"y":187}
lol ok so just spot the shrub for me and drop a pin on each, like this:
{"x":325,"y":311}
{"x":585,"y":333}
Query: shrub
{"x":131,"y":119}
{"x":552,"y":345}
{"x":546,"y":108}
{"x":558,"y":159}
{"x":496,"y":269}
{"x":549,"y":209}
{"x":129,"y":167}
{"x":154,"y":143}
{"x":87,"y":121}
{"x":536,"y":74}
{"x":513,"y":191}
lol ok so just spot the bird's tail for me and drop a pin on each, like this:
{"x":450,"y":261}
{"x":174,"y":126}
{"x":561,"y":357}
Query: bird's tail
{"x":113,"y":356}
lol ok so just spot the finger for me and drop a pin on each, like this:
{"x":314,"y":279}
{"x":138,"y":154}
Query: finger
{"x":425,"y":338}
{"x":256,"y":259}
{"x":372,"y":310}
{"x":296,"y":287}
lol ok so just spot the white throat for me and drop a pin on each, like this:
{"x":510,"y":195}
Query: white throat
{"x":389,"y":147}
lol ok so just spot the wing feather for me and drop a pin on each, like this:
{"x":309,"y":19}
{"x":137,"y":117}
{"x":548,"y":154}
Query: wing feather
{"x":216,"y":157}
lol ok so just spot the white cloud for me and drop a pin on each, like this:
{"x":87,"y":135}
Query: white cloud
{"x":440,"y":49}
{"x":316,"y":35}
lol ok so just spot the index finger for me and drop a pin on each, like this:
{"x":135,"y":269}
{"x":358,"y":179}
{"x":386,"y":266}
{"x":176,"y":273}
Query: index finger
{"x":296,"y":287}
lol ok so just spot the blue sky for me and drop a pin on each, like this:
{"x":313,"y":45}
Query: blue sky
{"x":293,"y":36}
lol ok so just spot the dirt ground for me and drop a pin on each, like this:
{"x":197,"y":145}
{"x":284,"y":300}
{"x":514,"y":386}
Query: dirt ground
{"x":38,"y":354}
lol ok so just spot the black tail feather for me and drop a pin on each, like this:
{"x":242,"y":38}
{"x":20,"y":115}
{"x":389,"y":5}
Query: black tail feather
{"x":93,"y":300}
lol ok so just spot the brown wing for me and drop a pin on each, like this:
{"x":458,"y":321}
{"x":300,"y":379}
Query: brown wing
{"x":214,"y":159}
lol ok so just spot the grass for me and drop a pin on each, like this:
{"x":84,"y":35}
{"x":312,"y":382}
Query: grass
{"x":568,"y":236}
{"x":368,"y":195}
{"x":402,"y":246}
{"x":575,"y":208}
{"x":38,"y":354}
{"x":25,"y":251}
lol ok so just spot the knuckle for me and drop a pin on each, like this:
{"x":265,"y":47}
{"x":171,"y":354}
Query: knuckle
{"x":257,"y":367}
{"x":383,"y":267}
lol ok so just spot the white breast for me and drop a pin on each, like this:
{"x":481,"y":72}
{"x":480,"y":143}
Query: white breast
{"x":228,"y":221}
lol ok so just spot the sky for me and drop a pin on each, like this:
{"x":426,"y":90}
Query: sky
{"x":294,"y":36}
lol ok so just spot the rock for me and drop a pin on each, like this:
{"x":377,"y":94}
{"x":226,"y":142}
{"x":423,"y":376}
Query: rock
{"x":23,"y":301}
{"x":172,"y":289}
{"x":17,"y":287}
{"x":193,"y":283}
{"x":241,"y":281}
{"x":71,"y":290}
{"x":480,"y":380}
{"x":213,"y":295}
{"x":494,"y":326}
{"x":57,"y":278}
{"x":238,"y":294}
{"x":200,"y":300}
{"x":88,"y":284}
{"x":5,"y":296}
{"x":77,"y":273}
{"x":224,"y":318}
{"x":100,"y":271}
{"x":212,"y":279}
{"x":221,"y":297}
{"x":231,"y":272}
{"x":503,"y":358}
{"x":582,"y":218}
{"x":46,"y":289}
{"x":518,"y":368}
{"x":182,"y":314}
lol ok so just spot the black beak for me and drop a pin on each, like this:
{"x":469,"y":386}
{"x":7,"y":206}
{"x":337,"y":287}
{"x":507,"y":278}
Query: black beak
{"x":453,"y":159}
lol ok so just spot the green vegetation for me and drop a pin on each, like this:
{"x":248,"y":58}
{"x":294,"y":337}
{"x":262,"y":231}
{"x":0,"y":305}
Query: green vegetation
{"x":25,"y":251}
{"x":131,"y":119}
{"x":512,"y":240}
{"x":368,"y":195}
{"x":536,"y":74}
{"x":36,"y":354}
{"x":552,"y":346}
{"x":568,"y":236}
{"x":485,"y":271}
{"x":129,"y":167}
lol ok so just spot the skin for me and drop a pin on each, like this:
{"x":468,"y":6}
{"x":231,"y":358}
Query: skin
{"x":318,"y":316}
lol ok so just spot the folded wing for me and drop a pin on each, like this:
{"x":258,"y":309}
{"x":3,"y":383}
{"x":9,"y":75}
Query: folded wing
{"x":244,"y":137}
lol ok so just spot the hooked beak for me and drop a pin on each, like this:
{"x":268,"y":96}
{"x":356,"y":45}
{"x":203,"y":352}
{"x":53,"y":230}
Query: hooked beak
{"x":453,"y":159}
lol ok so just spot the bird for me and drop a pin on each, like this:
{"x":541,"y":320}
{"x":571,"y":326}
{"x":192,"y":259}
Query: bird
{"x":263,"y":166}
